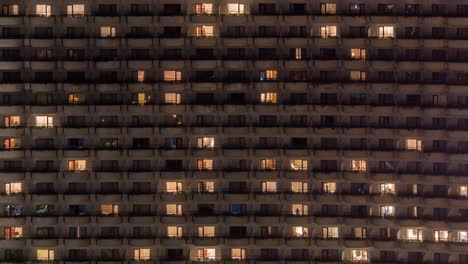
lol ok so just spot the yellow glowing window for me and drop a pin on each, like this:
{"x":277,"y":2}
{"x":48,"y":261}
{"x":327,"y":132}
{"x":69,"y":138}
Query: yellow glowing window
{"x":174,"y":209}
{"x":13,"y":188}
{"x":205,"y":142}
{"x":268,"y":164}
{"x":462,"y":236}
{"x":268,"y":75}
{"x":205,"y":164}
{"x":299,"y":187}
{"x":440,"y":235}
{"x":206,"y":254}
{"x":357,"y":75}
{"x":328,"y":31}
{"x":235,"y":9}
{"x":463,"y":190}
{"x":77,"y":165}
{"x":298,"y":53}
{"x":109,"y":209}
{"x":204,"y":31}
{"x":141,"y":99}
{"x":298,"y":165}
{"x":73,"y":98}
{"x":271,"y":98}
{"x":359,"y":165}
{"x":10,"y":10}
{"x":174,"y":187}
{"x":44,"y":10}
{"x":172,"y":98}
{"x":300,"y":209}
{"x":414,"y":234}
{"x":108,"y":32}
{"x":140,"y":76}
{"x":12,"y":121}
{"x":205,"y":186}
{"x":359,"y":255}
{"x":328,"y":8}
{"x":141,"y":254}
{"x":171,"y":76}
{"x":387,"y":188}
{"x":269,"y":186}
{"x":330,"y":232}
{"x":386,"y":32}
{"x":204,"y":8}
{"x":175,"y":231}
{"x":329,"y":187}
{"x":44,"y":121}
{"x":387,"y":210}
{"x":75,"y":10}
{"x":13,"y":232}
{"x":11,"y":143}
{"x":206,"y":231}
{"x":45,"y":254}
{"x":414,"y":144}
{"x":238,"y":253}
{"x":358,"y":54}
{"x":300,"y":231}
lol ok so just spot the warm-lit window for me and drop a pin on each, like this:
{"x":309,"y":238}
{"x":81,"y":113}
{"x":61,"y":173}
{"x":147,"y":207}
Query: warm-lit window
{"x":172,"y":98}
{"x":327,"y":9}
{"x":329,"y":187}
{"x":44,"y":10}
{"x":205,"y":164}
{"x":298,"y":53}
{"x":268,"y":75}
{"x":463,"y":190}
{"x":235,"y":9}
{"x":172,"y":76}
{"x":73,"y":98}
{"x":300,"y":209}
{"x":206,"y":231}
{"x":141,"y":98}
{"x":11,"y":143}
{"x":328,"y":31}
{"x":414,"y":234}
{"x":357,"y":75}
{"x":269,"y":98}
{"x":141,"y":254}
{"x":268,"y":164}
{"x":108,"y":32}
{"x":10,"y":10}
{"x":12,"y":121}
{"x":440,"y":235}
{"x":140,"y":75}
{"x":175,"y":231}
{"x":206,"y":254}
{"x":75,"y":10}
{"x":13,"y":188}
{"x":77,"y":165}
{"x":359,"y":255}
{"x":174,"y":187}
{"x":204,"y":31}
{"x":462,"y":236}
{"x":45,"y":254}
{"x":298,"y":165}
{"x":44,"y":121}
{"x":414,"y":144}
{"x":386,"y":32}
{"x":360,"y":232}
{"x":205,"y":186}
{"x":358,"y":54}
{"x":13,"y":232}
{"x":359,"y":165}
{"x":300,"y":231}
{"x":174,"y":209}
{"x":299,"y":187}
{"x":205,"y":142}
{"x":330,"y":232}
{"x":238,"y":253}
{"x":204,"y":9}
{"x":387,"y":210}
{"x":387,"y":188}
{"x":109,"y":209}
{"x":269,"y":186}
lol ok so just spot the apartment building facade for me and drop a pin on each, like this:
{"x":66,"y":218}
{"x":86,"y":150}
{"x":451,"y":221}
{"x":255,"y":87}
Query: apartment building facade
{"x":234,"y":131}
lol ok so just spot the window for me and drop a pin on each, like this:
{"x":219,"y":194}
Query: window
{"x":12,"y":121}
{"x":300,"y":187}
{"x":141,"y":254}
{"x":205,"y":164}
{"x":45,"y":121}
{"x":174,"y":187}
{"x":360,"y":232}
{"x":268,"y":164}
{"x":440,"y":235}
{"x":108,"y":32}
{"x":359,"y":165}
{"x":462,"y":236}
{"x":77,"y":165}
{"x":45,"y":254}
{"x":328,"y":31}
{"x":109,"y":209}
{"x":327,"y":9}
{"x":44,"y":10}
{"x":357,"y":75}
{"x":387,"y":210}
{"x":329,"y":187}
{"x":330,"y":232}
{"x":11,"y":143}
{"x":238,"y":253}
{"x":175,"y":231}
{"x":206,"y":231}
{"x":359,"y":255}
{"x":13,"y":188}
{"x":300,"y":231}
{"x":386,"y":32}
{"x":235,"y":9}
{"x":10,"y":10}
{"x":270,"y":98}
{"x":298,"y":53}
{"x":140,"y":76}
{"x":172,"y":98}
{"x":463,"y":190}
{"x":206,"y":254}
{"x":300,"y":209}
{"x":387,"y":188}
{"x":13,"y":232}
{"x":205,"y":142}
{"x":174,"y":209}
{"x":358,"y":54}
{"x":269,"y":186}
{"x":298,"y":165}
{"x":268,"y":75}
{"x":203,"y":9}
{"x":205,"y":186}
{"x":141,"y":98}
{"x":75,"y":10}
{"x":204,"y":31}
{"x":357,"y":9}
{"x":172,"y":76}
{"x":74,"y":98}
{"x":414,"y":144}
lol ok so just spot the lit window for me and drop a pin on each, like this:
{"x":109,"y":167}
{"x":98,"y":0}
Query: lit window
{"x":329,"y":187}
{"x":206,"y":231}
{"x":74,"y":98}
{"x":268,"y":164}
{"x":440,"y":235}
{"x":175,"y":231}
{"x":109,"y":209}
{"x":268,"y":75}
{"x":235,"y":9}
{"x":269,"y":186}
{"x":238,"y":253}
{"x":330,"y":232}
{"x":386,"y":32}
{"x":387,"y":210}
{"x":359,"y":165}
{"x":13,"y":188}
{"x":140,"y":75}
{"x":298,"y":165}
{"x":172,"y":76}
{"x":205,"y":142}
{"x":75,"y":10}
{"x":10,"y":10}
{"x":13,"y":232}
{"x":141,"y":98}
{"x":204,"y":9}
{"x":11,"y":143}
{"x":141,"y":254}
{"x":206,"y":254}
{"x":414,"y":144}
{"x":44,"y":121}
{"x":205,"y":186}
{"x":77,"y":165}
{"x":358,"y":54}
{"x":300,"y":209}
{"x":12,"y":121}
{"x":174,"y":187}
{"x":45,"y":254}
{"x":328,"y":31}
{"x":174,"y":209}
{"x":327,"y":9}
{"x":204,"y":31}
{"x":359,"y":255}
{"x":269,"y":98}
{"x":44,"y":10}
{"x":108,"y":32}
{"x":299,"y":187}
{"x":300,"y":231}
{"x":357,"y":75}
{"x":360,"y":232}
{"x":462,"y":236}
{"x":414,"y":234}
{"x":463,"y":190}
{"x":298,"y":53}
{"x":205,"y":164}
{"x":172,"y":98}
{"x":387,"y":188}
